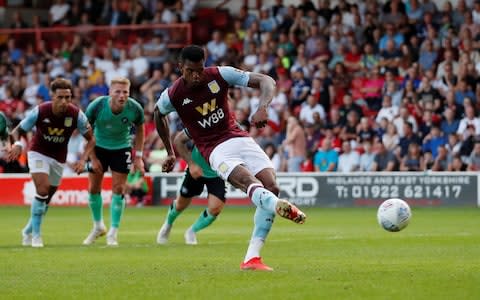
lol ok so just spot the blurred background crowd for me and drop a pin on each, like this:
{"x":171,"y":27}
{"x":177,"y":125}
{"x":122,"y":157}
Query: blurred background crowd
{"x":361,"y":85}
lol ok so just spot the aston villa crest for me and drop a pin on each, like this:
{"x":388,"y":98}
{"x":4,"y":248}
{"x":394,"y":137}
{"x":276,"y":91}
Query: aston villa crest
{"x":68,"y":122}
{"x":214,"y":87}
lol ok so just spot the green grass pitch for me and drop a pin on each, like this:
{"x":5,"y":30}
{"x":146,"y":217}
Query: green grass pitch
{"x":336,"y":254}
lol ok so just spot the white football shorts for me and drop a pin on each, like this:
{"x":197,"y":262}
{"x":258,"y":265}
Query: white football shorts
{"x":39,"y":163}
{"x":239,"y":151}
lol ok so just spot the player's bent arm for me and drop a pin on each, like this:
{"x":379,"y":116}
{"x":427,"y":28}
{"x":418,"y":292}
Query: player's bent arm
{"x":89,"y":146}
{"x":180,"y":142}
{"x":163,"y":129}
{"x":17,"y":145}
{"x":139,"y":140}
{"x":24,"y":126}
{"x":266,"y":84}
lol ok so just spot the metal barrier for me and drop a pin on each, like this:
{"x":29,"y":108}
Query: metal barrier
{"x":122,"y":36}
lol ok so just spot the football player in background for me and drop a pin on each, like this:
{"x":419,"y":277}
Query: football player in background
{"x":198,"y":174}
{"x":113,"y":118}
{"x":54,"y":121}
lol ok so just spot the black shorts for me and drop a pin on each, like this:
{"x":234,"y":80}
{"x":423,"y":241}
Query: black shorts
{"x":118,"y":160}
{"x":193,"y":187}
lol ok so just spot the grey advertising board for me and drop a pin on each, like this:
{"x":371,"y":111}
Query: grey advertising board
{"x":354,"y":189}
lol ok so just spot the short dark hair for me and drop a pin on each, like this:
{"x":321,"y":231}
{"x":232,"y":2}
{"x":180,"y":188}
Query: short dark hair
{"x":61,"y":83}
{"x":192,"y":53}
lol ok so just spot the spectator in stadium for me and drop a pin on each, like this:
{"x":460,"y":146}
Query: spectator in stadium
{"x":17,"y":21}
{"x":14,"y":52}
{"x":390,"y":138}
{"x":117,"y":70}
{"x":453,"y":145}
{"x":384,"y":159}
{"x":457,"y":164}
{"x":251,"y":171}
{"x":365,"y":132}
{"x":440,"y":163}
{"x":326,"y":158}
{"x":153,"y":87}
{"x":58,"y":12}
{"x":349,"y":160}
{"x":198,"y":175}
{"x":309,"y":108}
{"x":276,"y":156}
{"x":367,"y":157}
{"x":216,"y":48}
{"x":55,"y":121}
{"x":139,"y":14}
{"x":404,"y":116}
{"x":115,"y":15}
{"x":428,"y":56}
{"x":113,"y":118}
{"x":433,"y":140}
{"x":348,"y":106}
{"x":471,"y":120}
{"x":448,"y":60}
{"x":349,"y":131}
{"x":408,"y":138}
{"x":369,"y":58}
{"x":295,"y":144}
{"x":390,"y":57}
{"x":413,"y":160}
{"x":474,"y":159}
{"x":388,"y":111}
{"x":373,"y":89}
{"x":156,"y":51}
{"x":335,"y":121}
{"x":139,"y":68}
{"x":462,"y":91}
{"x":300,"y":88}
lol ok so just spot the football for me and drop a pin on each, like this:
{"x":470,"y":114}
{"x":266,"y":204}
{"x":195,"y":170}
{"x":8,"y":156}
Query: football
{"x":394,"y":214}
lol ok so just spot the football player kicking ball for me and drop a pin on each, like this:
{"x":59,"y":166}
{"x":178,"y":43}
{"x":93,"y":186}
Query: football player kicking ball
{"x":112,"y":118}
{"x":198,"y":174}
{"x":200,"y":97}
{"x":55,"y":121}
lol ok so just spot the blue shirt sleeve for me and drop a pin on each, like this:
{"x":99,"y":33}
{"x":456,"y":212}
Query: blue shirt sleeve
{"x":164,"y":103}
{"x":234,"y":76}
{"x":30,"y":120}
{"x":82,"y":123}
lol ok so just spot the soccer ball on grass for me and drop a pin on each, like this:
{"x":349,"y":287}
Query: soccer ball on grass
{"x":394,"y":214}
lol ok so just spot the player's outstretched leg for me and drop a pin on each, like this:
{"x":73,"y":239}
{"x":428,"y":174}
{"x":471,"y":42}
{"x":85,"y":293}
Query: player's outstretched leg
{"x":204,"y":220}
{"x":37,"y":211}
{"x":116,"y":211}
{"x":265,"y":199}
{"x":172,"y":214}
{"x":96,"y":207}
{"x":263,"y":221}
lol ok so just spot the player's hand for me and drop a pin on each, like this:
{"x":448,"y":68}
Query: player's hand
{"x":14,"y":153}
{"x":79,"y":166}
{"x":138,"y":165}
{"x":195,"y":170}
{"x":169,"y":163}
{"x":260,"y":117}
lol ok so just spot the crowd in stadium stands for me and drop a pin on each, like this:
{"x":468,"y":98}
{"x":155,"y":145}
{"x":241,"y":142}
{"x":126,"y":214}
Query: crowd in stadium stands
{"x":361,"y":86}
